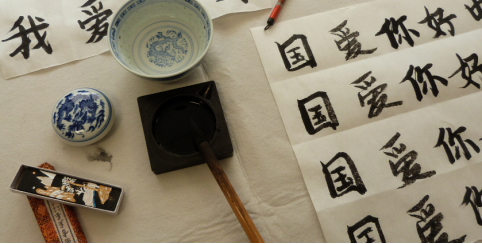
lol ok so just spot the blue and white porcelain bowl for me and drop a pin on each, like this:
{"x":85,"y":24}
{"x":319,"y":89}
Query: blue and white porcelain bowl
{"x":161,"y":39}
{"x":83,"y":116}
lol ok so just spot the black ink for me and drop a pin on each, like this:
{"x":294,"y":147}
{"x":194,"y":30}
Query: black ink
{"x":23,"y":33}
{"x":99,"y":28}
{"x":352,"y":46}
{"x":348,"y":184}
{"x":476,"y":202}
{"x":171,"y":124}
{"x":88,"y":3}
{"x":288,"y":49}
{"x":320,"y":119}
{"x":435,"y":24}
{"x":100,"y":155}
{"x":391,"y":28}
{"x":419,"y":78}
{"x":464,"y":66}
{"x":366,"y":231}
{"x":378,"y":101}
{"x":476,"y":7}
{"x":434,"y":224}
{"x":455,"y":137}
{"x":61,"y":223}
{"x":390,"y":144}
{"x":410,"y":171}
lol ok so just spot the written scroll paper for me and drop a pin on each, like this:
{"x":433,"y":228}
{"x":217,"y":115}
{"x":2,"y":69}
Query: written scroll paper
{"x":40,"y":34}
{"x":380,"y":98}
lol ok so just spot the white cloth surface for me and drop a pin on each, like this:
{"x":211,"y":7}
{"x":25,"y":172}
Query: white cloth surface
{"x":182,"y":206}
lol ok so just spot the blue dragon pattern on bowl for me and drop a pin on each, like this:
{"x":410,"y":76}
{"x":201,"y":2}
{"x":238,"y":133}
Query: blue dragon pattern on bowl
{"x":167,"y":49}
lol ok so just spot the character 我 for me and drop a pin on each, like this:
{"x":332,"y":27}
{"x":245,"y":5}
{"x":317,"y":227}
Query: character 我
{"x":467,"y":70}
{"x":435,"y":24}
{"x":378,"y":101}
{"x":100,"y":26}
{"x":392,"y":29}
{"x":363,"y":231}
{"x":317,"y":113}
{"x":342,"y":176}
{"x":416,"y":77}
{"x":296,"y":53}
{"x":453,"y":139}
{"x":348,"y":42}
{"x":474,"y":197}
{"x":23,"y":33}
{"x":405,"y":165}
{"x":476,"y":9}
{"x":432,"y":226}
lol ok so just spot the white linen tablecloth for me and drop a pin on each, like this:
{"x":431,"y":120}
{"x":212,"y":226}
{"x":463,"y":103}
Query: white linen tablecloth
{"x":181,"y":206}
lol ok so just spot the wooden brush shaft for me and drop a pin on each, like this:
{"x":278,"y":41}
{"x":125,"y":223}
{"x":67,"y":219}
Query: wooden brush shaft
{"x":230,"y":194}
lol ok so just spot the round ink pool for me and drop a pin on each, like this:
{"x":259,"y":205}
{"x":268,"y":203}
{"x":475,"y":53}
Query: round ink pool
{"x":171,"y":124}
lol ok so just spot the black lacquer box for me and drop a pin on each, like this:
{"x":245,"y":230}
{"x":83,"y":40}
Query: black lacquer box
{"x":67,"y":189}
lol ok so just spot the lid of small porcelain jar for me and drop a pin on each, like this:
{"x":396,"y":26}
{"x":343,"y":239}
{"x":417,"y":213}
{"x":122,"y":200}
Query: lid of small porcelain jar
{"x":83,"y":116}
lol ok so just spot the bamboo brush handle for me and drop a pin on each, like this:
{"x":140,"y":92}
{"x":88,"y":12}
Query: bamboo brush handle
{"x":230,"y":194}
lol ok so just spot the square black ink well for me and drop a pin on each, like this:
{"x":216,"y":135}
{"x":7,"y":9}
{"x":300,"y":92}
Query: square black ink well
{"x":165,"y":119}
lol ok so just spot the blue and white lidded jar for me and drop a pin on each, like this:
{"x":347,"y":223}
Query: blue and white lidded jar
{"x":83,"y":116}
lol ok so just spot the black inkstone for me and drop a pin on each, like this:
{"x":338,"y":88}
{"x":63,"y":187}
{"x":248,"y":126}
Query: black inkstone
{"x":171,"y":124}
{"x":165,"y":120}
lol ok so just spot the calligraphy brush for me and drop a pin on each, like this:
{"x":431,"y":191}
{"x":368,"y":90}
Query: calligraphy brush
{"x":244,"y":219}
{"x":274,"y":14}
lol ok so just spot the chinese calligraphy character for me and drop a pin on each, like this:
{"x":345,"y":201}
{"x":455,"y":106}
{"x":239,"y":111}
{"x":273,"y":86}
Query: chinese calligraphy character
{"x":345,"y":183}
{"x":58,"y":215}
{"x":369,"y":223}
{"x":352,"y":46}
{"x":99,"y":28}
{"x":464,"y":66}
{"x":391,"y":28}
{"x":435,"y":24}
{"x":410,"y":171}
{"x":475,"y":202}
{"x":434,"y":225}
{"x":322,"y":117}
{"x":454,"y":137}
{"x":61,"y":223}
{"x":293,"y":56}
{"x":419,"y":78}
{"x":378,"y":101}
{"x":476,"y":7}
{"x":23,"y":33}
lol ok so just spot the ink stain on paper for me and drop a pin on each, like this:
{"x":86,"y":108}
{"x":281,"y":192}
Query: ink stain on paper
{"x":100,"y":155}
